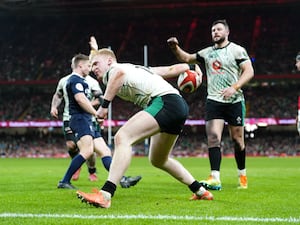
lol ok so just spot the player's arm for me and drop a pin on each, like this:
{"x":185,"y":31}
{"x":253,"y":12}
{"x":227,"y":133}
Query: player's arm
{"x":180,"y":54}
{"x":93,"y":46}
{"x":55,"y":103}
{"x":115,"y":82}
{"x":98,"y":98}
{"x":84,"y":103}
{"x":246,"y":75}
{"x":176,"y":69}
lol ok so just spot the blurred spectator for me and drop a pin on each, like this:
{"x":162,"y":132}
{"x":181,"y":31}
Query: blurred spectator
{"x":38,"y":48}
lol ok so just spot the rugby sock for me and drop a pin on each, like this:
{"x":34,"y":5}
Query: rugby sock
{"x":242,"y":172}
{"x":240,"y":158}
{"x":215,"y":158}
{"x":194,"y":187}
{"x":109,"y":187}
{"x":106,"y":161}
{"x":215,"y":174}
{"x":76,"y":163}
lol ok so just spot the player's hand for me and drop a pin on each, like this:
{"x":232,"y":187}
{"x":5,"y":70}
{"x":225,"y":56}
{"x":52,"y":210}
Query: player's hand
{"x":101,"y":114}
{"x":93,"y":43}
{"x":228,"y":92}
{"x":100,"y":120}
{"x":172,"y":42}
{"x":54,"y":113}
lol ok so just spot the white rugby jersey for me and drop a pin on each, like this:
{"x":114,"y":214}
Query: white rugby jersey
{"x":223,"y":70}
{"x":140,"y":84}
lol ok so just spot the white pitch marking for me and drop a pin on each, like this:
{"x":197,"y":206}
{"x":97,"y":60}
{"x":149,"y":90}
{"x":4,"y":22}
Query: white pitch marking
{"x":153,"y":217}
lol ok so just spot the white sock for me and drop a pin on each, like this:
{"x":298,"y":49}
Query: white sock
{"x":106,"y":194}
{"x":201,"y":191}
{"x":215,"y":174}
{"x":242,"y":172}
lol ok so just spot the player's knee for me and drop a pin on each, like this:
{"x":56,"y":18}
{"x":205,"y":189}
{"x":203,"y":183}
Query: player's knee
{"x":121,"y":138}
{"x":158,"y":163}
{"x":213,"y":140}
{"x":71,"y":146}
{"x":86,"y":153}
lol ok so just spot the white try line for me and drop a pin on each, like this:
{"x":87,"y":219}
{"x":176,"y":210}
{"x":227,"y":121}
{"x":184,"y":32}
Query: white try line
{"x":154,"y":217}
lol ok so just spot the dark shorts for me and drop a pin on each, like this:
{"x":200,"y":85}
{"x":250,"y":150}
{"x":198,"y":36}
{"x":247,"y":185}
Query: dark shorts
{"x":170,"y":112}
{"x":233,"y":114}
{"x":82,"y":125}
{"x":97,"y":129}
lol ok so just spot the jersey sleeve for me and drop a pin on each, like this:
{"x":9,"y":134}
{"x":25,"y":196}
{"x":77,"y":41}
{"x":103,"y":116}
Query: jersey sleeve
{"x":241,"y":55}
{"x":59,"y":88}
{"x":76,"y":86}
{"x":200,"y":56}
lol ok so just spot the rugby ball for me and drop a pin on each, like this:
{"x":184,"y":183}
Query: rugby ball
{"x":188,"y":81}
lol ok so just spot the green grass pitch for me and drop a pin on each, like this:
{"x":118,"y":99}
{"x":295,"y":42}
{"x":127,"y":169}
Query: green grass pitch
{"x":28,"y":194}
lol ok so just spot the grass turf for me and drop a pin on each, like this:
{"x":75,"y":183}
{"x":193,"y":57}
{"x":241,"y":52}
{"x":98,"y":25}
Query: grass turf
{"x":29,"y":195}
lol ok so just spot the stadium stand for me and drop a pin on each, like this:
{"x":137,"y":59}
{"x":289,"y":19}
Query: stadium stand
{"x":36,"y":51}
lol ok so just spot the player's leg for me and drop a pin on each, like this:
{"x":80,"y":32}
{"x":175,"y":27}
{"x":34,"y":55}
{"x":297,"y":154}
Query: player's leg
{"x":165,"y":114}
{"x":130,"y":133}
{"x":70,"y":139}
{"x":160,"y":147}
{"x":104,"y":152}
{"x":71,"y":145}
{"x":236,"y":131}
{"x":237,"y":135}
{"x":91,"y":164}
{"x":85,"y":145}
{"x":81,"y":127}
{"x":73,"y":151}
{"x":101,"y":148}
{"x":214,"y":129}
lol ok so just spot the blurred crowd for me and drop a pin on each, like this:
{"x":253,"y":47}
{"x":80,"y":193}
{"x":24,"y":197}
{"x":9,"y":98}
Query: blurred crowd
{"x":35,"y":51}
{"x":37,"y":47}
{"x":189,"y":144}
{"x":279,"y":101}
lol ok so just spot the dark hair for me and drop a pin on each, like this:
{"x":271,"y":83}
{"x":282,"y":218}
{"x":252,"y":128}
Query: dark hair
{"x":224,"y":22}
{"x":77,"y":58}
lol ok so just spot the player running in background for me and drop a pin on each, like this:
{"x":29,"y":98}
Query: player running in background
{"x":298,"y":116}
{"x":228,"y":68}
{"x":61,"y":95}
{"x":79,"y":64}
{"x":162,"y":119}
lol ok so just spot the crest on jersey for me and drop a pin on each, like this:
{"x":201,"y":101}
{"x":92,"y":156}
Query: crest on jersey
{"x":79,"y":87}
{"x":216,"y":65}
